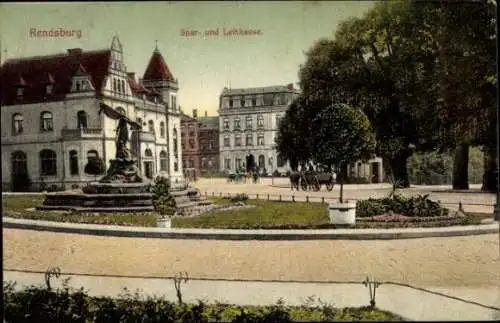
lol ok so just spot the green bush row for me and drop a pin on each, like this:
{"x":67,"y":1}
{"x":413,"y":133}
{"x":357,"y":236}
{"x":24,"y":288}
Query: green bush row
{"x":40,"y":305}
{"x":417,"y":206}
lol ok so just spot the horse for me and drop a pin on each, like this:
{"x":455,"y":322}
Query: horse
{"x":294,"y":181}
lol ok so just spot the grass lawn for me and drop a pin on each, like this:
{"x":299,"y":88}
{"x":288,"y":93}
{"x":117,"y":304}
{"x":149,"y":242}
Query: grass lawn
{"x":265,"y":215}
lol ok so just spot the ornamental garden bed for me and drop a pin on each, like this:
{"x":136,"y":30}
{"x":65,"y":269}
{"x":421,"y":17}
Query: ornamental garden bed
{"x":371,"y":213}
{"x":39,"y":304}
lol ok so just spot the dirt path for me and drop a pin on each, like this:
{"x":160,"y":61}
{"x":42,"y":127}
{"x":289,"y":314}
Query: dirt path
{"x":457,"y":261}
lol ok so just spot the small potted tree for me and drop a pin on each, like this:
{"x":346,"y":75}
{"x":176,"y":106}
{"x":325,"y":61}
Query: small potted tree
{"x":163,"y":202}
{"x":342,"y":135}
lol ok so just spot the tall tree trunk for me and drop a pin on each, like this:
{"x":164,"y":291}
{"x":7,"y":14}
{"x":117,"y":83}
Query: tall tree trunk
{"x":399,"y":170}
{"x":490,"y":171}
{"x":460,"y":167}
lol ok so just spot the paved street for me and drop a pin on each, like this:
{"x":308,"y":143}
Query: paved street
{"x":473,"y":202}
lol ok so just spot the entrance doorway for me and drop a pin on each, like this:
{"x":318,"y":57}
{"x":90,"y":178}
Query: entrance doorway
{"x":20,"y":178}
{"x":250,"y":162}
{"x":375,"y":173}
{"x":148,"y":169}
{"x":262,"y":162}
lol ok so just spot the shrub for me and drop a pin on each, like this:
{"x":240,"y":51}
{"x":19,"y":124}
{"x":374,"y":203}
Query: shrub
{"x":163,"y":201}
{"x":95,"y":166}
{"x":417,"y":206}
{"x":240,"y":198}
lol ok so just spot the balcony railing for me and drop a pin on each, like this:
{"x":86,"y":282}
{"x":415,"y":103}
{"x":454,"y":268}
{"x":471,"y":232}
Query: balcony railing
{"x":82,"y":133}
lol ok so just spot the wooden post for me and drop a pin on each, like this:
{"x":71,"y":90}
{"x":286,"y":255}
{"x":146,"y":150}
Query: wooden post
{"x":293,"y":198}
{"x":307,"y":198}
{"x":220,"y":194}
{"x":257,"y":196}
{"x":268,"y":197}
{"x":323,"y":200}
{"x":280,"y":197}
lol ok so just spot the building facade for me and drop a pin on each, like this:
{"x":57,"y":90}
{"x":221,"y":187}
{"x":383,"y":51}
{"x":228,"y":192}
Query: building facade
{"x":209,"y":145}
{"x":51,"y":123}
{"x":190,"y":146}
{"x":248,"y":124}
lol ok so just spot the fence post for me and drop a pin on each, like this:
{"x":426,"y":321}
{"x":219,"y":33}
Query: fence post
{"x":280,"y":197}
{"x":322,"y":200}
{"x":213,"y":193}
{"x":220,"y":194}
{"x":307,"y":198}
{"x":268,"y":197}
{"x":257,"y":196}
{"x":293,"y":198}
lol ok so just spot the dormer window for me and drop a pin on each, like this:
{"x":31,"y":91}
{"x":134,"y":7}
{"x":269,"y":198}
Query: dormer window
{"x":20,"y":91}
{"x":78,"y":86}
{"x":48,"y":89}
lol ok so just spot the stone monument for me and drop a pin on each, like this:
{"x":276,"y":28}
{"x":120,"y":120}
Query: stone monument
{"x":122,"y":189}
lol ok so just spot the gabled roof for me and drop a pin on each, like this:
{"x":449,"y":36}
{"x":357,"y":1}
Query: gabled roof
{"x":157,"y":69}
{"x":34,"y":72}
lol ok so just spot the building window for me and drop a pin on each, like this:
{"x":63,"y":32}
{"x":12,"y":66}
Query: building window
{"x":237,"y":123}
{"x":249,"y":122}
{"x":281,"y":161}
{"x":260,"y":121}
{"x":176,"y":166}
{"x":278,"y":121}
{"x":237,"y":141}
{"x":123,"y":86}
{"x":20,"y":91}
{"x":226,"y":141}
{"x":211,"y":144}
{"x":227,"y":163}
{"x":163,"y":160}
{"x":73,"y":162}
{"x":82,"y":119}
{"x":151,"y":126}
{"x":225,"y":123}
{"x":262,"y":162}
{"x":46,"y":121}
{"x":238,"y":163}
{"x":114,"y":85}
{"x":211,"y":162}
{"x":242,"y":102}
{"x":191,"y":163}
{"x":231,"y":103}
{"x":162,"y":129}
{"x":249,"y":139}
{"x":260,"y":139}
{"x":268,"y":99}
{"x":19,"y":163}
{"x":148,"y":153}
{"x":48,"y":89}
{"x":176,"y":149}
{"x":254,"y":101}
{"x":17,"y":124}
{"x":48,"y":163}
{"x":203,"y":162}
{"x":191,"y":143}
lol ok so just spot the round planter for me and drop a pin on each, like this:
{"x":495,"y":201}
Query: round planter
{"x":165,"y":222}
{"x":342,"y":213}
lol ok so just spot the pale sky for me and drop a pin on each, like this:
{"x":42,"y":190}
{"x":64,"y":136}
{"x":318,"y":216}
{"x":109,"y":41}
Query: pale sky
{"x":203,"y":65}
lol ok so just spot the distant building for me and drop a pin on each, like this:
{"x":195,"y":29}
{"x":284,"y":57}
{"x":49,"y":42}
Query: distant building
{"x":51,"y":123}
{"x":248,"y":124}
{"x":190,"y":146}
{"x":209,"y":144}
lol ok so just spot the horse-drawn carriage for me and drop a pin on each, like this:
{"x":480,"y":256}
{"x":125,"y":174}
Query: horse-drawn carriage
{"x":312,"y":180}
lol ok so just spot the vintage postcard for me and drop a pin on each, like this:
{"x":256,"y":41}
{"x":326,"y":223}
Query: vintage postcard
{"x":240,"y":161}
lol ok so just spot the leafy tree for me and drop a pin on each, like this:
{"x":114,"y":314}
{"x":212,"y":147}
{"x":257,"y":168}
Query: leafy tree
{"x":343,"y":136}
{"x":95,"y":166}
{"x":163,"y":201}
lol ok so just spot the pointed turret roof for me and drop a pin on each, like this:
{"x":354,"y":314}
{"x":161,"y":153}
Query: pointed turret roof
{"x":157,"y":68}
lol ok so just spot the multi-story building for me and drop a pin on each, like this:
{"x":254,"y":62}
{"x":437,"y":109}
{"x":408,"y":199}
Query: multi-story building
{"x":249,"y":120}
{"x":51,"y":123}
{"x":190,"y":146}
{"x":209,"y":144}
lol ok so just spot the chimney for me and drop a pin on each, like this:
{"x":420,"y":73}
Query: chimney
{"x":290,"y":86}
{"x":195,"y":113}
{"x":206,"y":113}
{"x":131,"y":75}
{"x":74,"y":51}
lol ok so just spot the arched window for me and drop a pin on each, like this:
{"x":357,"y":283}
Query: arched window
{"x":237,"y":123}
{"x":82,"y":119}
{"x":123,"y":86}
{"x":162,"y":129}
{"x":17,"y":124}
{"x":225,"y":124}
{"x":249,"y":122}
{"x":260,"y":139}
{"x":92,"y":154}
{"x":114,"y":85}
{"x":151,"y":126}
{"x":262,"y":161}
{"x":237,"y":140}
{"x":73,"y":162}
{"x":48,"y":162}
{"x":163,"y":160}
{"x":148,"y":153}
{"x":226,"y":141}
{"x":122,"y":111}
{"x":249,"y":139}
{"x":176,"y":150}
{"x":46,"y":121}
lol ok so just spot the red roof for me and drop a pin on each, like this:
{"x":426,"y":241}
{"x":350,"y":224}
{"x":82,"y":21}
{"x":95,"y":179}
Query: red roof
{"x":136,"y":87}
{"x":157,"y":69}
{"x":37,"y":71}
